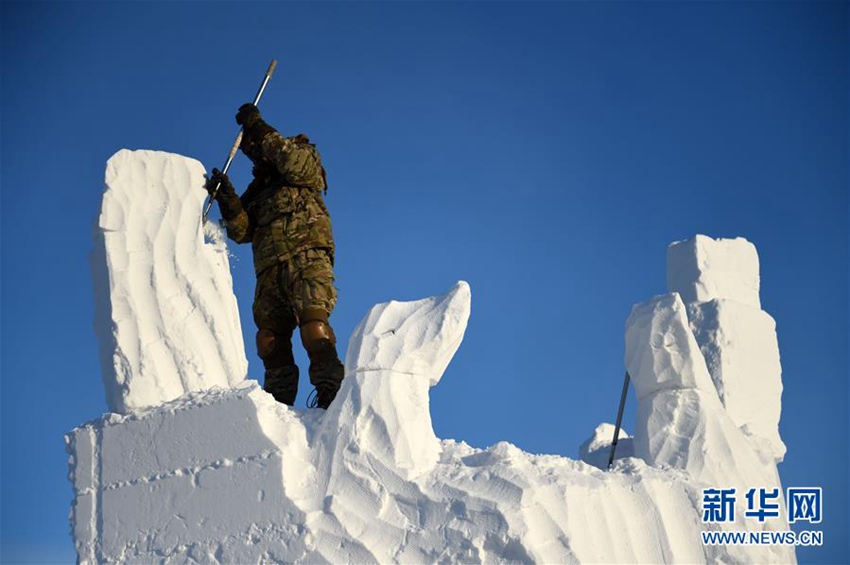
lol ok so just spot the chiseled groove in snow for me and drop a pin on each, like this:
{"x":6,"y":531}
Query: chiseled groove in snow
{"x":609,"y":520}
{"x":401,"y":546}
{"x":165,"y":240}
{"x":479,"y":509}
{"x":262,"y":456}
{"x":544,"y":518}
{"x":142,"y":302}
{"x":356,"y":527}
{"x":98,"y":499}
{"x":638,"y":507}
{"x":225,"y":341}
{"x":360,"y":494}
{"x":662,"y":540}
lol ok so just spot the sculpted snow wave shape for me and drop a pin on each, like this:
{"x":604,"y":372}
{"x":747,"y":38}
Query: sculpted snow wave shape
{"x":166,"y":319}
{"x":395,"y":355}
{"x":418,"y":338}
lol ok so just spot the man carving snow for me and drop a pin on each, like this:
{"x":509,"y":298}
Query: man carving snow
{"x":283,"y":215}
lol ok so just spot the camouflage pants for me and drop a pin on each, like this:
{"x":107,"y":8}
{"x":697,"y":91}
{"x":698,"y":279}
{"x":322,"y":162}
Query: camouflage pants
{"x":283,"y":292}
{"x":288,"y":288}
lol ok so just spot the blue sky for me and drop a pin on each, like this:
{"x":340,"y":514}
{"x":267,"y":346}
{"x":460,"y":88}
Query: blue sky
{"x":547,"y":153}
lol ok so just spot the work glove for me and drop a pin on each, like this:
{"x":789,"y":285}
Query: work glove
{"x":222,"y":181}
{"x":253,"y":125}
{"x":248,"y":115}
{"x":228,"y":201}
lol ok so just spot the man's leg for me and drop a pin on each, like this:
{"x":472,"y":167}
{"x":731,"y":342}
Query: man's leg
{"x":326,"y":370}
{"x":281,"y":379}
{"x":313,"y":295}
{"x":273,"y":316}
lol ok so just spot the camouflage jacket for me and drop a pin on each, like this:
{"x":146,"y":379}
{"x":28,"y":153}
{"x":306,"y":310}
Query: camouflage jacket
{"x":282,"y":210}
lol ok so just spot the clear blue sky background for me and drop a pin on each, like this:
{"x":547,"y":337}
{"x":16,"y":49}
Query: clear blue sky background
{"x":545,"y":152}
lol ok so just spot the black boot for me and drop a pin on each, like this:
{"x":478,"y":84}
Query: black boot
{"x":282,"y":383}
{"x":326,"y":373}
{"x":326,"y":370}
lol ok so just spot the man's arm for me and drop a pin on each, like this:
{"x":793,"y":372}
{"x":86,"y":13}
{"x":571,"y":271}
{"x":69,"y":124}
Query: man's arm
{"x":240,"y":228}
{"x":296,"y":159}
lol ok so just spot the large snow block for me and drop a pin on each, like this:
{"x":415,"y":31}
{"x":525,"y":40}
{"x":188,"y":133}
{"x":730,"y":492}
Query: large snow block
{"x":191,"y":480}
{"x":740,"y":348}
{"x":166,"y":318}
{"x":702,"y":268}
{"x":719,"y":281}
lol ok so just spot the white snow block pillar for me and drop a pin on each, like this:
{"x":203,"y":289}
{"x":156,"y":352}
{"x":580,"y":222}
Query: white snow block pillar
{"x":719,"y":282}
{"x":166,"y":316}
{"x":681,"y":422}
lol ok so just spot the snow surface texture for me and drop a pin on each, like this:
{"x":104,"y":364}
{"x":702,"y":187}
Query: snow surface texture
{"x":229,"y":475}
{"x":167,"y":319}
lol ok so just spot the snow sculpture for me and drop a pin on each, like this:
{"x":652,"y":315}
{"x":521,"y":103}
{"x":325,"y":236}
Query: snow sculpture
{"x":691,"y":413}
{"x":167,"y":319}
{"x":232,"y":476}
{"x":224,"y":474}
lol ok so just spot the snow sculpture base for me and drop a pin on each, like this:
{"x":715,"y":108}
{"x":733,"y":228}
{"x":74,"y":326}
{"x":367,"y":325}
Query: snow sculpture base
{"x":210,"y":469}
{"x":232,"y":476}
